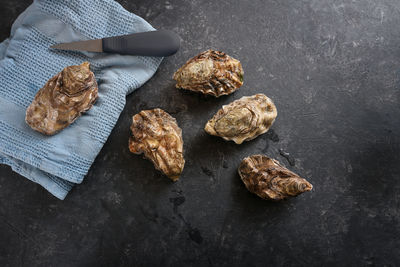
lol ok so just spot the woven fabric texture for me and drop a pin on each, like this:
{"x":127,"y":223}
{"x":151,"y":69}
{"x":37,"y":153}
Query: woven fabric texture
{"x":26,"y":63}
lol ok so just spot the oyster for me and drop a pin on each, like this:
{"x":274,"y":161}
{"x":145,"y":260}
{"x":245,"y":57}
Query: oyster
{"x":211,"y":73}
{"x":243,"y":119}
{"x":268,"y":179}
{"x":62,"y":99}
{"x":156,"y":134}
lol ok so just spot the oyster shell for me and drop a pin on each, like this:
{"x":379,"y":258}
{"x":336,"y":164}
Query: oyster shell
{"x":268,"y":179}
{"x":243,"y":119}
{"x":211,"y":73}
{"x":62,"y":99}
{"x":156,"y":134}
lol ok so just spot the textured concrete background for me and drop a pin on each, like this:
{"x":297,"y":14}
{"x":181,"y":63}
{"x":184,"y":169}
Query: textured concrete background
{"x":332,"y":68}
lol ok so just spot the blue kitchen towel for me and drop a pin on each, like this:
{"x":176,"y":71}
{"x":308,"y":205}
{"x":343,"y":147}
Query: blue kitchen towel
{"x":26,"y":63}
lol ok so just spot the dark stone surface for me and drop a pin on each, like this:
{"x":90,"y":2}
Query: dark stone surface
{"x":332,"y":68}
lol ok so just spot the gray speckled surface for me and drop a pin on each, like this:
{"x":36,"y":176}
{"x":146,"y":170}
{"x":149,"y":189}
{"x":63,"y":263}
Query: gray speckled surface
{"x":332,"y":69}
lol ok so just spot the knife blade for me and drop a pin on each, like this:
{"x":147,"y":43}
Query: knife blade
{"x":154,"y":43}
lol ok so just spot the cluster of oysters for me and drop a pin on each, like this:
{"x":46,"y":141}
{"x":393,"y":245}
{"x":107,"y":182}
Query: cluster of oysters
{"x":157,"y":135}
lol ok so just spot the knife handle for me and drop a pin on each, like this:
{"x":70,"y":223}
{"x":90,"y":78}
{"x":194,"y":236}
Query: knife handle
{"x":154,"y":43}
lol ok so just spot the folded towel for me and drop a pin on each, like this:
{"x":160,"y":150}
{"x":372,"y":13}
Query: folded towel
{"x":26,"y":63}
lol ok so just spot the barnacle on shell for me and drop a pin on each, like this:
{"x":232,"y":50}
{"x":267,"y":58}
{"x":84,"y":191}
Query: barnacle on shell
{"x":243,"y":119}
{"x":211,"y":73}
{"x":156,"y":134}
{"x":268,"y":179}
{"x":62,"y":99}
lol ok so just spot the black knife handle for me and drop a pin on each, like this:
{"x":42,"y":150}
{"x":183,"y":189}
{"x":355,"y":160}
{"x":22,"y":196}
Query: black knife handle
{"x":155,"y":43}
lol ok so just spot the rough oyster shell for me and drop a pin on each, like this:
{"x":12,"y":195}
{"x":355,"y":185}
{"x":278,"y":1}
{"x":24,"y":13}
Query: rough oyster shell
{"x":156,"y":134}
{"x":211,"y":73}
{"x":268,"y":179}
{"x":243,"y":119}
{"x":62,"y":99}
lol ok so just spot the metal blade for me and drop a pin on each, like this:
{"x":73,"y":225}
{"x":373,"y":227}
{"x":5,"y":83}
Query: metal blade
{"x":90,"y":45}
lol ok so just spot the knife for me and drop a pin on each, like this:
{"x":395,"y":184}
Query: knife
{"x":154,"y":43}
